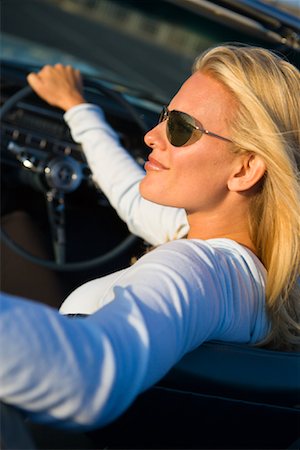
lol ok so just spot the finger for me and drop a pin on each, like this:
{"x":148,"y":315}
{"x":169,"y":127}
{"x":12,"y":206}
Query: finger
{"x":70,"y":72}
{"x":78,"y":74}
{"x":45,"y":69}
{"x":74,"y":76}
{"x":59,"y":66}
{"x":78,"y":78}
{"x":34,"y":81}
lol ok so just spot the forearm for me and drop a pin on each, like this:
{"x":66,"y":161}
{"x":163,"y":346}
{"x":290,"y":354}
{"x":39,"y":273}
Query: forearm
{"x":66,"y":370}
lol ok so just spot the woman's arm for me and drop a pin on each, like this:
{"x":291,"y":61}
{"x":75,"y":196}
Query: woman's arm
{"x":113,"y":169}
{"x":86,"y":372}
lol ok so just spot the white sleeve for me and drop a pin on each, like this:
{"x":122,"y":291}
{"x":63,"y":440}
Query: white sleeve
{"x":86,"y":372}
{"x":118,"y":176}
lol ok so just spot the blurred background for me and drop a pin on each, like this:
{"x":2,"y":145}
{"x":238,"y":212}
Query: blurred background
{"x":148,"y":44}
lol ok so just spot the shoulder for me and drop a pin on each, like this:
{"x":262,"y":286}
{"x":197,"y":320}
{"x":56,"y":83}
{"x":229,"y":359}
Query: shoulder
{"x":219,"y":267}
{"x":219,"y":281}
{"x":215,"y":253}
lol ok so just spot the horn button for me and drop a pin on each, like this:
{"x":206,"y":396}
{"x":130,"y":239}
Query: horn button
{"x":63,"y":173}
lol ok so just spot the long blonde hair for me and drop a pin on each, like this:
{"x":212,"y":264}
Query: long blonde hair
{"x":267,"y":123}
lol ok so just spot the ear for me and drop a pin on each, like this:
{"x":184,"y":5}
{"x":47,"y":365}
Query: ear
{"x":247,"y":173}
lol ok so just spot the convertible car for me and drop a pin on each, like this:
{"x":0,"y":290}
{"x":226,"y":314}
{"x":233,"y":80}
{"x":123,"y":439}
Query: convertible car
{"x":58,"y":230}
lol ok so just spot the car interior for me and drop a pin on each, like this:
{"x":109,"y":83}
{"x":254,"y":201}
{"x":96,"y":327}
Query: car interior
{"x":58,"y":231}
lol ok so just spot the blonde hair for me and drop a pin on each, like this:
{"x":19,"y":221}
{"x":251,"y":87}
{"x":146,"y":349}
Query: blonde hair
{"x":267,"y":122}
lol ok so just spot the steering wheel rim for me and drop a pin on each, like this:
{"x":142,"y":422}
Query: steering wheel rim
{"x":120,"y":249}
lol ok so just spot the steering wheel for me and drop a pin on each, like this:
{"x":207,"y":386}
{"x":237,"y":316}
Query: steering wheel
{"x":63,"y":174}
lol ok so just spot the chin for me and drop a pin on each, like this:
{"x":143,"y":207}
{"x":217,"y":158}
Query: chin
{"x":149,"y":191}
{"x":157,"y":197}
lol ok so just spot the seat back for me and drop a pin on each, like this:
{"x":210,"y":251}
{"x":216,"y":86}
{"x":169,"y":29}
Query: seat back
{"x":239,"y":372}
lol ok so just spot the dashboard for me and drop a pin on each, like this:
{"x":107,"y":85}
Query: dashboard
{"x":34,"y":129}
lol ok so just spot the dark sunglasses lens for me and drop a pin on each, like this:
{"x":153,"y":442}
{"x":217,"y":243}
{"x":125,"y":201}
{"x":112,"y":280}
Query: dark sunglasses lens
{"x":179,"y":130}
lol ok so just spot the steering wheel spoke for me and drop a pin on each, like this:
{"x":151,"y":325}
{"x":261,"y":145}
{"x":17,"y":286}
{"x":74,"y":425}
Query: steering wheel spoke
{"x":56,"y":214}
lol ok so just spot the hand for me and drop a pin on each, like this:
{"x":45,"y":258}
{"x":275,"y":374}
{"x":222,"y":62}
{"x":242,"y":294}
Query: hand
{"x":58,"y":85}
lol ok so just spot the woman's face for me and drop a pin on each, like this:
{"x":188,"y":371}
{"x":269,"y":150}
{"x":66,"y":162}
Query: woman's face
{"x":193,"y":177}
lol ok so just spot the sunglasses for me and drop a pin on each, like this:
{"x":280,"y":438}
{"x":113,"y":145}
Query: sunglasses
{"x":183,"y":129}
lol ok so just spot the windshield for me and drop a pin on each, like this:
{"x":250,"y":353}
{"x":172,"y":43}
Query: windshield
{"x":148,"y":45}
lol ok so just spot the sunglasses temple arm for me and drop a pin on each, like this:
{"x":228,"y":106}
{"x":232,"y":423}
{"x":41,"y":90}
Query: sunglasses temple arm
{"x":209,"y":133}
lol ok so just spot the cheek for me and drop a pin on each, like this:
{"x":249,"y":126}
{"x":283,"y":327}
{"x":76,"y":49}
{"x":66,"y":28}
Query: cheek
{"x":198,"y":169}
{"x":202,"y":182}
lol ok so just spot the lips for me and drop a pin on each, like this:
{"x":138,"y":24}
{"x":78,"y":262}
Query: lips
{"x":153,"y":164}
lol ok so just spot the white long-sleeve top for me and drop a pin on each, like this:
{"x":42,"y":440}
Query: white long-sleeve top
{"x":86,"y":372}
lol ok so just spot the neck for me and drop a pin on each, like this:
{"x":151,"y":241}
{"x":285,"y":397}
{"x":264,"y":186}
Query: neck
{"x":231,"y":225}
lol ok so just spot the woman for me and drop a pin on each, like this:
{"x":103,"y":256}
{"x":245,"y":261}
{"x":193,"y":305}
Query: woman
{"x":221,"y":185}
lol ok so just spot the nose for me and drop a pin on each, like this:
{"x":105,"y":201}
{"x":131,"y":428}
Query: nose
{"x":156,"y":137}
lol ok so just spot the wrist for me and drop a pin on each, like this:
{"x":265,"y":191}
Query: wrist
{"x":74,"y":101}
